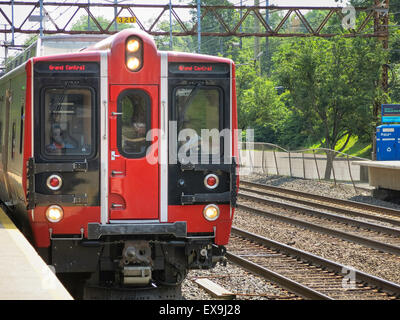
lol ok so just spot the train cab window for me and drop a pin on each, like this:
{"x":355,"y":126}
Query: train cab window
{"x":199,"y":108}
{"x":133,"y":123}
{"x":68,"y":120}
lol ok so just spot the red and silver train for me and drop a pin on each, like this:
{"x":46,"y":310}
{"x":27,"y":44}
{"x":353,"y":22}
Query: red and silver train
{"x":100,"y":168}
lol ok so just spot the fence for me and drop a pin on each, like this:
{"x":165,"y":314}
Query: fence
{"x":271,"y":159}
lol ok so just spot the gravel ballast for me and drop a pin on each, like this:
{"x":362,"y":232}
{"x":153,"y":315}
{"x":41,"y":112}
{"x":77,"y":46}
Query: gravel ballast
{"x":234,"y":279}
{"x":359,"y":257}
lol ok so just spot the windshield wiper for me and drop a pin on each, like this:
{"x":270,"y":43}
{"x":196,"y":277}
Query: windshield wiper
{"x":189,"y":100}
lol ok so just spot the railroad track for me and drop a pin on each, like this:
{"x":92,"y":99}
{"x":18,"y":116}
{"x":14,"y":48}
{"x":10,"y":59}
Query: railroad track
{"x":372,"y":233}
{"x":352,"y":208}
{"x":303,"y":273}
{"x":235,"y":291}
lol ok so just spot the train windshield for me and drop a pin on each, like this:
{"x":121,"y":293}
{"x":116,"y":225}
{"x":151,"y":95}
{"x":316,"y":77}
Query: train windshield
{"x":198,"y":115}
{"x":68,"y":122}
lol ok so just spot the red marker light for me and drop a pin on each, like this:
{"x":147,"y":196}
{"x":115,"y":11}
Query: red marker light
{"x":54,"y":182}
{"x":211,"y":181}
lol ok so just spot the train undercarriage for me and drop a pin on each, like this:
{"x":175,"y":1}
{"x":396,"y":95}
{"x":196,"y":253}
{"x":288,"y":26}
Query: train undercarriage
{"x":120,"y":268}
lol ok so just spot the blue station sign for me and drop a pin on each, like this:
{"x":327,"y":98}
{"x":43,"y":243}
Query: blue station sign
{"x":390,"y":113}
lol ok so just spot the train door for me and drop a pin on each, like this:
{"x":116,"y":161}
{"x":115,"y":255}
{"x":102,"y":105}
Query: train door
{"x":133,"y":177}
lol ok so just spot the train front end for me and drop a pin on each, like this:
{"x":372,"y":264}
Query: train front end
{"x":133,"y":171}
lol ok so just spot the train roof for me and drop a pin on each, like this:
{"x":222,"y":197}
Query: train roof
{"x":67,"y":44}
{"x":55,"y":44}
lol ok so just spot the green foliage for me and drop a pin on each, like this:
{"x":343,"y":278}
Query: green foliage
{"x":261,"y":108}
{"x":214,"y":45}
{"x":332,"y":84}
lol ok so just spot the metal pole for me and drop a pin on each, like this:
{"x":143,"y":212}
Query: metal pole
{"x":198,"y":26}
{"x":276,"y":164}
{"x":5,"y":45}
{"x":12,"y":22}
{"x":41,"y":18}
{"x":263,"y":159}
{"x":256,"y":39}
{"x":241,"y":28}
{"x":316,"y":166}
{"x":381,"y":27}
{"x":88,"y":17}
{"x":115,"y":15}
{"x":170,"y":25}
{"x":351,"y":176}
{"x":333,"y":169}
{"x":267,"y":39}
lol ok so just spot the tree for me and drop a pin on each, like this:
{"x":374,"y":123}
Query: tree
{"x":261,"y":109}
{"x":332,"y":84}
{"x":210,"y":23}
{"x":182,"y":44}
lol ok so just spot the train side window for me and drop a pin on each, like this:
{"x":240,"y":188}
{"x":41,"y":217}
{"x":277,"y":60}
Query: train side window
{"x":21,"y":130}
{"x":134,"y":123}
{"x":1,"y":136}
{"x":13,"y":140}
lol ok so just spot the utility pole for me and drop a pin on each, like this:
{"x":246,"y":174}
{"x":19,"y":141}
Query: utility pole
{"x":267,"y":40}
{"x":381,"y":27}
{"x":198,"y":26}
{"x":115,"y":15}
{"x":88,"y":17}
{"x":256,"y":39}
{"x":41,"y":18}
{"x":5,"y":45}
{"x":170,"y":26}
{"x":241,"y":27}
{"x":12,"y":22}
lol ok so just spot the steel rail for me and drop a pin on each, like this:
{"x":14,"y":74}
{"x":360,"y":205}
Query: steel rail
{"x":389,"y":287}
{"x":380,"y":246}
{"x":284,"y":282}
{"x":324,"y":215}
{"x":359,"y":205}
{"x":337,"y":209}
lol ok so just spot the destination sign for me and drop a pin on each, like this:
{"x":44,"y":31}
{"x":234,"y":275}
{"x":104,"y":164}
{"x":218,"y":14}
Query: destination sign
{"x":199,"y":68}
{"x":390,"y":113}
{"x":67,"y":67}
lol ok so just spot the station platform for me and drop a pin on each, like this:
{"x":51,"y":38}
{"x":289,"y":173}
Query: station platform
{"x":23,"y":274}
{"x":382,"y":174}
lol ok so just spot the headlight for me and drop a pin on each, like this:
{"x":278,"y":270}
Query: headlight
{"x":211,"y":212}
{"x":134,"y":53}
{"x":133,"y":45}
{"x":133,"y":64}
{"x":54,"y":213}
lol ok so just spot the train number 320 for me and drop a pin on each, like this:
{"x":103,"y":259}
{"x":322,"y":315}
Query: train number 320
{"x":126,"y":20}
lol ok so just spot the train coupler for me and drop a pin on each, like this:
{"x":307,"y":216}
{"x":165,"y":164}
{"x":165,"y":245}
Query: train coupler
{"x":136,"y":275}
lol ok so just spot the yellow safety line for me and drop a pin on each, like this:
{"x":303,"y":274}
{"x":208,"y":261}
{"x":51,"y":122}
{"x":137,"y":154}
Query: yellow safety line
{"x":6,"y":221}
{"x":31,"y":255}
